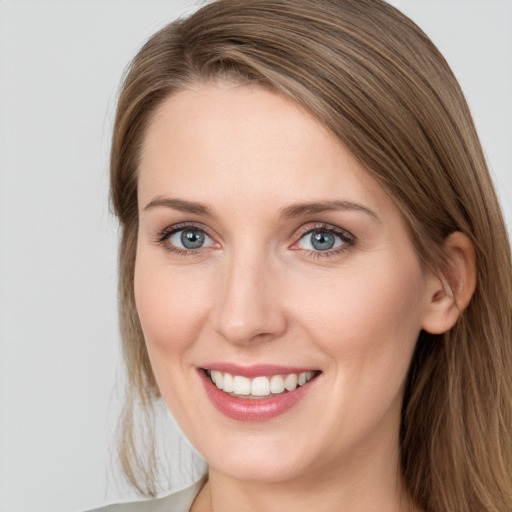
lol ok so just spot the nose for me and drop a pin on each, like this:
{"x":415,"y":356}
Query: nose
{"x":249,"y":304}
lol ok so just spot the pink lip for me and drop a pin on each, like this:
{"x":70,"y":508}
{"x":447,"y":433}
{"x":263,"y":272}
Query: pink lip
{"x":258,"y":370}
{"x":252,"y":410}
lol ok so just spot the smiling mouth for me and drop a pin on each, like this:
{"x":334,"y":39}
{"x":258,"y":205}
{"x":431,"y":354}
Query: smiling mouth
{"x":259,"y":387}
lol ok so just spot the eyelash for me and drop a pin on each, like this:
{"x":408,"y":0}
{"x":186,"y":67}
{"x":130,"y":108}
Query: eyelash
{"x":348,"y":240}
{"x":164,"y":236}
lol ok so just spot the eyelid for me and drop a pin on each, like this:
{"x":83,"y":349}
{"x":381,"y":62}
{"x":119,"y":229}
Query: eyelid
{"x":348,"y":239}
{"x":322,"y":226}
{"x":173,"y":228}
{"x":165,"y":234}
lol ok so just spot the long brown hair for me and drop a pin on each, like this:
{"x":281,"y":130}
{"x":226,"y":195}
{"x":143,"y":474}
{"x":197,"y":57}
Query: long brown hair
{"x":374,"y":79}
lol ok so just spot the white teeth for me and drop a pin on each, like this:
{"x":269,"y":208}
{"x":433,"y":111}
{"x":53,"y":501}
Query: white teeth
{"x":277,"y":384}
{"x":241,"y":385}
{"x":227,"y":384}
{"x":260,"y":386}
{"x":291,"y":381}
{"x":217,"y":379}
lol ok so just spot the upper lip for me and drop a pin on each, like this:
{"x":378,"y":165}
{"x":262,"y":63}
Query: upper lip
{"x":257,"y":370}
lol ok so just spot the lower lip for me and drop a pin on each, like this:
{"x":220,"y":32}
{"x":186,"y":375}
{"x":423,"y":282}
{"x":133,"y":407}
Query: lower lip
{"x":258,"y":409}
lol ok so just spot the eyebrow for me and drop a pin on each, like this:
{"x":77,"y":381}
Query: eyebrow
{"x":180,"y":205}
{"x":313,"y":208}
{"x":289,"y":212}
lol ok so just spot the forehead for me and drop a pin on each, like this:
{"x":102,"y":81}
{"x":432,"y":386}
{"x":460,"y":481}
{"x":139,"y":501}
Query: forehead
{"x":246,"y":142}
{"x":241,"y":117}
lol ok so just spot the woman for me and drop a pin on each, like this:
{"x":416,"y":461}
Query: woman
{"x":315,"y":273}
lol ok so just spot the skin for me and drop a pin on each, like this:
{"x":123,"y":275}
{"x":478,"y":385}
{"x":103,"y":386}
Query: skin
{"x":257,"y":293}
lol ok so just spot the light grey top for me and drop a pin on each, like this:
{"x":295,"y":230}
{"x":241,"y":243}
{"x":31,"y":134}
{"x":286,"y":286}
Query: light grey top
{"x":180,"y":501}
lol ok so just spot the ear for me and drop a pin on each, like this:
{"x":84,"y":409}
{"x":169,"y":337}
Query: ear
{"x":450,"y":292}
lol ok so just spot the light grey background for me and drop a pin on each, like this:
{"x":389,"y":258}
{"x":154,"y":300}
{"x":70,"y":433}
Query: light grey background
{"x":60,"y":66}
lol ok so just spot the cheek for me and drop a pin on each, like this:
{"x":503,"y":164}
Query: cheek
{"x":367,"y":324}
{"x":170,"y":307}
{"x":368,"y":319}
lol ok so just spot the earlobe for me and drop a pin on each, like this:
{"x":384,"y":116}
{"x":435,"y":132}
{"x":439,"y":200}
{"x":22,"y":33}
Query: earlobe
{"x":450,"y":292}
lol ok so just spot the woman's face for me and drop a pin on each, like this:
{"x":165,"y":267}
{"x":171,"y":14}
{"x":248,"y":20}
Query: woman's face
{"x":268,"y":257}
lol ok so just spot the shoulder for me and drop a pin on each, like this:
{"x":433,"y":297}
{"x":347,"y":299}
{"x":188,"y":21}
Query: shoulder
{"x":179,"y":501}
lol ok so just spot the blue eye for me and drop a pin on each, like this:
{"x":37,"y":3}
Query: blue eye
{"x":322,"y":240}
{"x":190,"y":239}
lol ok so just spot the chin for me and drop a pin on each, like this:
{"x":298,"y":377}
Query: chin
{"x":261,"y":471}
{"x":261,"y":458}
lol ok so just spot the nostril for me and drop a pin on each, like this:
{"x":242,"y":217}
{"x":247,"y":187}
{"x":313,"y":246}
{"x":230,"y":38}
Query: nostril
{"x":250,"y":331}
